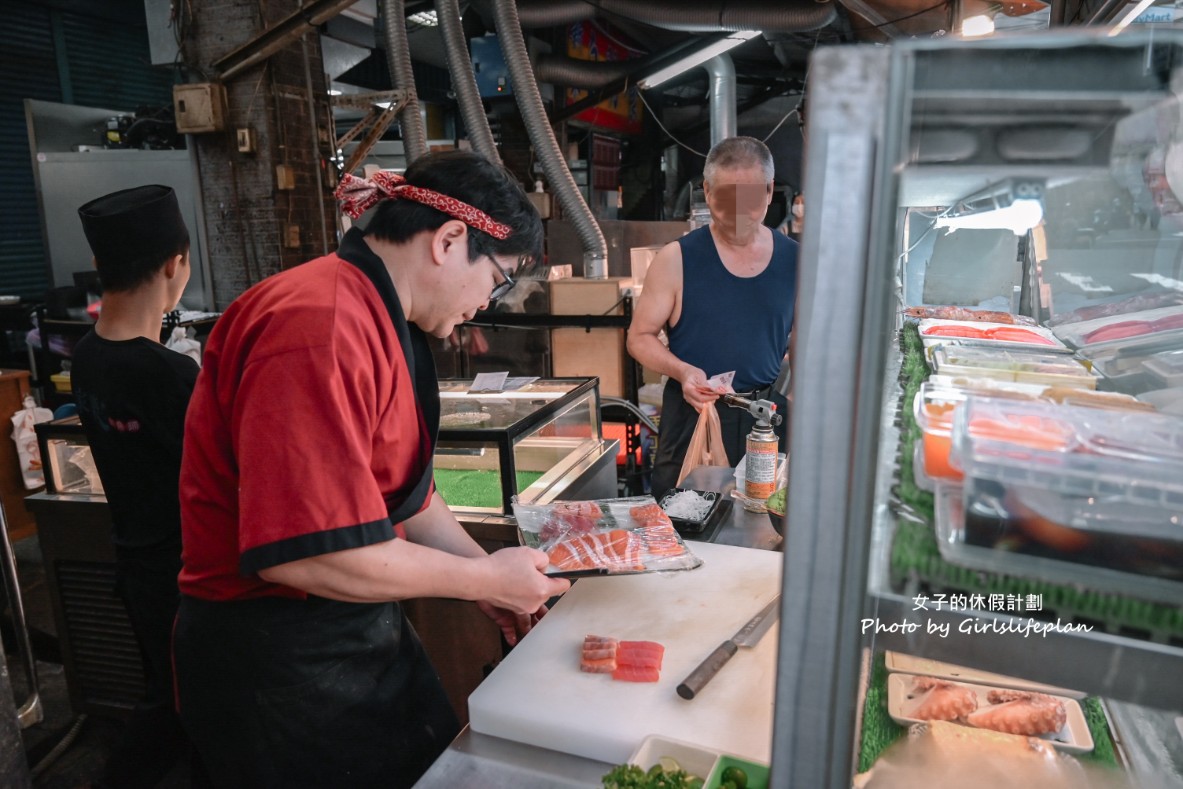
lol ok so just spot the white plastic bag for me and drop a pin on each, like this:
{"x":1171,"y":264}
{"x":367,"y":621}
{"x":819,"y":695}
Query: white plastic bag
{"x":181,"y":342}
{"x":25,"y":436}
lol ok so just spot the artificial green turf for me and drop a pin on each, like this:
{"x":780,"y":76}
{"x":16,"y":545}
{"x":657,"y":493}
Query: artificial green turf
{"x":477,"y":488}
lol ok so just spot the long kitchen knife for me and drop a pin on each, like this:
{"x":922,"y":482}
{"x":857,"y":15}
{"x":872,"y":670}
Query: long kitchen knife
{"x":748,"y":636}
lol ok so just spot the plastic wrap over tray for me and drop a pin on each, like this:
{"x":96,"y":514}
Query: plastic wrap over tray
{"x":608,"y":536}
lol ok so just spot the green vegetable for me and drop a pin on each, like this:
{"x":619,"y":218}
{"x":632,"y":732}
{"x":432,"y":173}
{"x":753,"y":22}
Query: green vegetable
{"x":631,"y":776}
{"x":776,"y":502}
{"x":735,"y":775}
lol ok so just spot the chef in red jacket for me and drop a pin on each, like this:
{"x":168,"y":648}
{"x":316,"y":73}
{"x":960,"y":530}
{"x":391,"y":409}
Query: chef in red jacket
{"x":308,"y":508}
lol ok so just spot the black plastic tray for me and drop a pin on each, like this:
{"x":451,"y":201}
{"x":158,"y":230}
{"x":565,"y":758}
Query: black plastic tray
{"x":694,"y":527}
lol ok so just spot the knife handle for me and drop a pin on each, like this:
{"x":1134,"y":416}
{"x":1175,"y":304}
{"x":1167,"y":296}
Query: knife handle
{"x":707,"y":669}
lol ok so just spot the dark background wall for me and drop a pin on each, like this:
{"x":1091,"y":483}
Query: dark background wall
{"x":94,"y":54}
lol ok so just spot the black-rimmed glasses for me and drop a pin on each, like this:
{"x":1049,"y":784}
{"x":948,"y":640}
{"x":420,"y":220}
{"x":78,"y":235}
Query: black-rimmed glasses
{"x":502,"y":287}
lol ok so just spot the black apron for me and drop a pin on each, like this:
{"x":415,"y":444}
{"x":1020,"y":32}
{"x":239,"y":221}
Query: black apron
{"x":318,"y":693}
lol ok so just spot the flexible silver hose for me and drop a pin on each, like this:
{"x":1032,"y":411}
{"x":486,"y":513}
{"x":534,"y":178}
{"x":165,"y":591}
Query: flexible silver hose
{"x":62,"y":746}
{"x":546,"y":147}
{"x":402,"y":77}
{"x":468,"y":95}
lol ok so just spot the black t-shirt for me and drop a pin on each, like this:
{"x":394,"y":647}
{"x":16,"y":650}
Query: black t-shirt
{"x":132,"y":396}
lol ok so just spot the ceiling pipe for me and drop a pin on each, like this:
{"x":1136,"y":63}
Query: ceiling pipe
{"x":722,"y":97}
{"x":688,"y":16}
{"x":468,"y":95}
{"x":402,"y":77}
{"x":542,"y":137}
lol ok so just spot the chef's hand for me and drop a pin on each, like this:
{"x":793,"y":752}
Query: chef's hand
{"x":695,"y":390}
{"x":518,"y":584}
{"x":513,"y":626}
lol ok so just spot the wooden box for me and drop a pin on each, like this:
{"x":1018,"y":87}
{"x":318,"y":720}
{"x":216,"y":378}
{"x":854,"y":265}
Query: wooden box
{"x":579,"y":296}
{"x":599,"y":352}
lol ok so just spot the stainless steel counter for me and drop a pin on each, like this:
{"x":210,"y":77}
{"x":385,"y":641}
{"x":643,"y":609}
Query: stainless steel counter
{"x":481,"y":760}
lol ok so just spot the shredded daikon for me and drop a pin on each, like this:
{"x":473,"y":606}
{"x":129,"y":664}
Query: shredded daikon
{"x":686,"y":505}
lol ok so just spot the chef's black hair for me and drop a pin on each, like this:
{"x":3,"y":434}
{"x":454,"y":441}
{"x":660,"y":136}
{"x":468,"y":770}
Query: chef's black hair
{"x":475,"y":180}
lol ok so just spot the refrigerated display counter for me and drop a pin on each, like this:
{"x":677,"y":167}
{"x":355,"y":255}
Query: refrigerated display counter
{"x":1039,"y":180}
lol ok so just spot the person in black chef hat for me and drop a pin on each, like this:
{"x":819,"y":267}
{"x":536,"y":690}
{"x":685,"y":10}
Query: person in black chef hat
{"x":132,"y":394}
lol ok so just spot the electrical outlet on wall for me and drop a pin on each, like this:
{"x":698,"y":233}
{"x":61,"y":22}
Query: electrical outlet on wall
{"x":291,"y":236}
{"x":246,"y":140}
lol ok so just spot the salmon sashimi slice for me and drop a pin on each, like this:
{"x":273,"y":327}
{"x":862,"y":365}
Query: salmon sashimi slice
{"x":605,"y":666}
{"x":599,"y":648}
{"x":615,"y":550}
{"x":650,"y":515}
{"x":636,"y":674}
{"x":586,"y":508}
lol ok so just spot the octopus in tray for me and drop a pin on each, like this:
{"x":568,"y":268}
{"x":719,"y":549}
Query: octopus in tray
{"x":1020,"y":712}
{"x":941,"y":700}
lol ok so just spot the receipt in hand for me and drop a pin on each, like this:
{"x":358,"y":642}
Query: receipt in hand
{"x":722,"y":381}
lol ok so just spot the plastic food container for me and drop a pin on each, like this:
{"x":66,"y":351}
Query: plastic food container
{"x":933,"y":409}
{"x":1007,"y":558}
{"x":1007,"y":365}
{"x":694,"y":759}
{"x":710,"y":498}
{"x":1133,"y":329}
{"x":1098,"y":486}
{"x":992,"y":335}
{"x":1167,"y":368}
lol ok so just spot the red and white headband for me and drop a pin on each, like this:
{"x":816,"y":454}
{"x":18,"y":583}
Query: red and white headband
{"x":356,"y":195}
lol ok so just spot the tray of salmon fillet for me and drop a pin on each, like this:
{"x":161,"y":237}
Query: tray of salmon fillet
{"x":604,"y":536}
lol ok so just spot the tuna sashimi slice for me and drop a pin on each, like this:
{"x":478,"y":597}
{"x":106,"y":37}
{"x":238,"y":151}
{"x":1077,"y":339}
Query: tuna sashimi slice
{"x":640,"y":654}
{"x":636,"y":674}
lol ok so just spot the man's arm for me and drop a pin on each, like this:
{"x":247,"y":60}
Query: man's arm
{"x":448,"y":563}
{"x":653,"y":312}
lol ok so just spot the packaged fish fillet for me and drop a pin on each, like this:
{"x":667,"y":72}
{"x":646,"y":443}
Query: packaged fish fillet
{"x":609,"y":536}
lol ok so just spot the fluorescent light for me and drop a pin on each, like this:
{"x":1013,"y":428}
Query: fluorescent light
{"x":977,"y":25}
{"x":1130,"y":16}
{"x":1018,"y":217}
{"x":697,"y":58}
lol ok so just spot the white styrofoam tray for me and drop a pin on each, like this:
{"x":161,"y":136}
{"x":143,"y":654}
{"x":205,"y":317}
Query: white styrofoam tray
{"x":1074,"y":736}
{"x":910,"y":664}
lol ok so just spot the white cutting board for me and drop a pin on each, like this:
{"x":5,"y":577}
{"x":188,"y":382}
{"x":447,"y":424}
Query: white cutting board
{"x":538,"y":695}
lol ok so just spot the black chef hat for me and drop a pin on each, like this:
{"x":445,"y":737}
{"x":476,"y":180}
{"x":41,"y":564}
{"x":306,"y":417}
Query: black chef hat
{"x":140,"y":226}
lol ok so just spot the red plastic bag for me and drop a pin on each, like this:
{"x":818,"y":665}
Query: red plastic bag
{"x":706,"y":445}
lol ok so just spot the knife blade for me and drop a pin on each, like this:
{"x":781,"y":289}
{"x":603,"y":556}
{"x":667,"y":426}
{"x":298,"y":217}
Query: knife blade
{"x":747,"y":636}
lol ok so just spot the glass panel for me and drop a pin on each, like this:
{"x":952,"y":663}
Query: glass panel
{"x":557,"y":445}
{"x":468,"y":475}
{"x":71,"y":467}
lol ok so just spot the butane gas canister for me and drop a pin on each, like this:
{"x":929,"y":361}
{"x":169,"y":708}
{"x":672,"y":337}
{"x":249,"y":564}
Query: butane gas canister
{"x":760,"y":471}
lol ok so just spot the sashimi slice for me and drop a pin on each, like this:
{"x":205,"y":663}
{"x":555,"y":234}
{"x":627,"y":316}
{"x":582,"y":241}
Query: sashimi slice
{"x":636,"y":674}
{"x":638,"y":660}
{"x":604,"y":666}
{"x":640,"y":646}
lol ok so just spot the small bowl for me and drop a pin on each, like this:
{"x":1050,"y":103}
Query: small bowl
{"x":778,"y":522}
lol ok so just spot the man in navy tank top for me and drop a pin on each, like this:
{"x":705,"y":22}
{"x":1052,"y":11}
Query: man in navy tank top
{"x":724,"y":294}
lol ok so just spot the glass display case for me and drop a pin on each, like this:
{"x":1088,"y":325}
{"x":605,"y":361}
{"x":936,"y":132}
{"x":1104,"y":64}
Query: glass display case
{"x":533,"y":442}
{"x":67,"y":460}
{"x":1038,"y":180}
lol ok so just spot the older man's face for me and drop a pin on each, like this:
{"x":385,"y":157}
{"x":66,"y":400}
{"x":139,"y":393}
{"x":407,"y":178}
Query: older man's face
{"x":738,"y":199}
